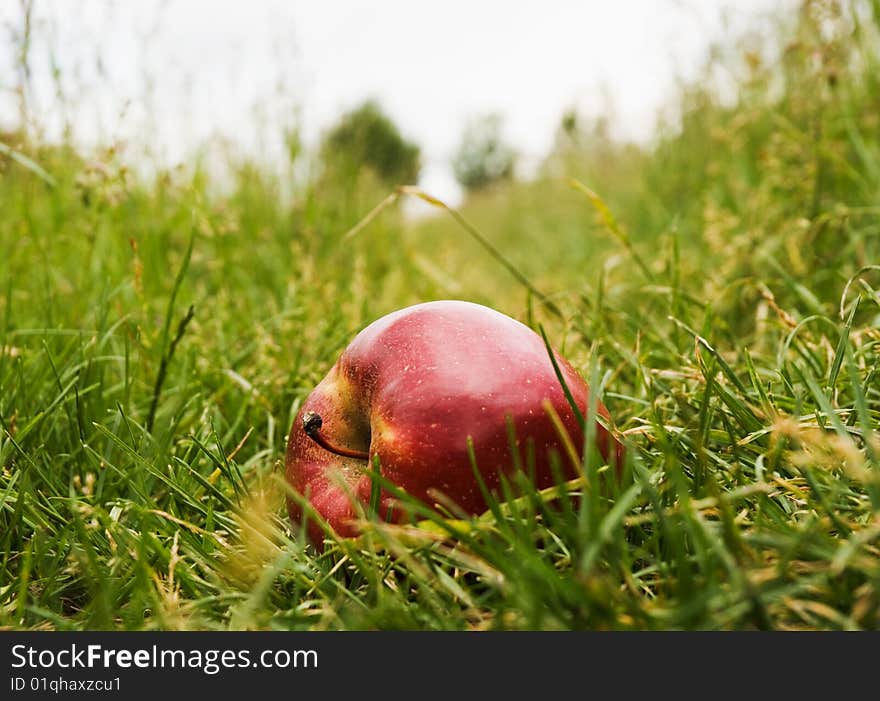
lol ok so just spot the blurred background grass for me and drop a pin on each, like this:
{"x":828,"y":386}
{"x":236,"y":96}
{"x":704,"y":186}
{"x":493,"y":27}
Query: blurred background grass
{"x":717,"y":284}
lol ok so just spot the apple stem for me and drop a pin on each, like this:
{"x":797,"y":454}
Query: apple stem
{"x":312,"y":423}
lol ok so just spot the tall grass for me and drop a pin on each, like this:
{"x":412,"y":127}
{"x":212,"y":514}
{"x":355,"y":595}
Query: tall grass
{"x":718,"y":290}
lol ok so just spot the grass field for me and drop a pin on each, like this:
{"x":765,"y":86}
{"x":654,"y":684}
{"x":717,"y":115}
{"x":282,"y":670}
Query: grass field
{"x":719,"y":290}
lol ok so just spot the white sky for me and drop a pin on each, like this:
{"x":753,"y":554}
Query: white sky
{"x":169,"y":74}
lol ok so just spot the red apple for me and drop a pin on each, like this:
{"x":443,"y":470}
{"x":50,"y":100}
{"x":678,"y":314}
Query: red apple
{"x":411,"y":388}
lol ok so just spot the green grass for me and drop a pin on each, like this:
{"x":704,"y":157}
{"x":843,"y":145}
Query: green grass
{"x":719,"y":290}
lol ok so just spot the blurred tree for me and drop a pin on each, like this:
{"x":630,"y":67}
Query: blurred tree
{"x":483,"y":157}
{"x":367,"y":137}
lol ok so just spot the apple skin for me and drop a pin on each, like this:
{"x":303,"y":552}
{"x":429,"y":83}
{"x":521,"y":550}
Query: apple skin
{"x":410,"y":388}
